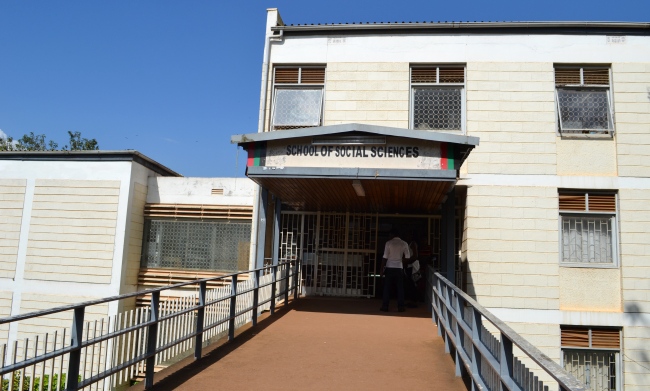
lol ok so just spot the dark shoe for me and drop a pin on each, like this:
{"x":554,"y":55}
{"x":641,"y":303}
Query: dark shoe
{"x":383,"y":309}
{"x":401,"y":309}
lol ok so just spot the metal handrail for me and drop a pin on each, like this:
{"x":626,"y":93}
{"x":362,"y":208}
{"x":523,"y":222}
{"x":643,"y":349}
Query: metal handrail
{"x":489,"y":362}
{"x":287,"y":282}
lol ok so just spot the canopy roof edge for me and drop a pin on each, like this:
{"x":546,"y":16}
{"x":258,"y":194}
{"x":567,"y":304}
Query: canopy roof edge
{"x":242,"y":139}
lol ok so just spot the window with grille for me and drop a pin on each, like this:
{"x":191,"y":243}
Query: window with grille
{"x":438,"y":98}
{"x":583,"y":100}
{"x":592,"y":356}
{"x":219,"y":245}
{"x":588,"y":228}
{"x":298,"y":97}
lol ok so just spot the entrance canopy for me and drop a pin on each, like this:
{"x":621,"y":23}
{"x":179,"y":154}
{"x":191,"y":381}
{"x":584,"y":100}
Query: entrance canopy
{"x":357,"y":167}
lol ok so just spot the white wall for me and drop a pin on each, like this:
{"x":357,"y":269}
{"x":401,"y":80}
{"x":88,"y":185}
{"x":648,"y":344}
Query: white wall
{"x":169,"y":190}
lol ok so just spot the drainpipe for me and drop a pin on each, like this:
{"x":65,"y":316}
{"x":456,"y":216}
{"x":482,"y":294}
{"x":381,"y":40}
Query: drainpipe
{"x":273,"y":19}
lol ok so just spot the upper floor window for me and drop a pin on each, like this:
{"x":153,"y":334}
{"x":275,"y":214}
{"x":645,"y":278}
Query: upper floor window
{"x":298,"y":97}
{"x":583,"y":100}
{"x":438,"y":97}
{"x":588,"y":228}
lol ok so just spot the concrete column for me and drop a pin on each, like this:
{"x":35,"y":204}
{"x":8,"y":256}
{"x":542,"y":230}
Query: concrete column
{"x":276,"y":230}
{"x":447,"y":237}
{"x":261,"y":227}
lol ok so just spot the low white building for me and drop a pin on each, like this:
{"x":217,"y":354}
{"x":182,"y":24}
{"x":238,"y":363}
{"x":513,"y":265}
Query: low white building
{"x":73,"y":224}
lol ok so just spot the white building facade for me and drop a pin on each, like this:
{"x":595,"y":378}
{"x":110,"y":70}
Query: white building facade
{"x":79,"y":226}
{"x":517,"y":152}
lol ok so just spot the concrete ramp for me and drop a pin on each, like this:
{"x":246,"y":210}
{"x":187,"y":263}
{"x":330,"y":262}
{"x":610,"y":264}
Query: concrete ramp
{"x":325,"y":344}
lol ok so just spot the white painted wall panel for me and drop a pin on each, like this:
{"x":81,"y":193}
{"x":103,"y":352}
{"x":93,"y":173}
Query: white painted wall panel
{"x":82,"y":251}
{"x":12,"y":197}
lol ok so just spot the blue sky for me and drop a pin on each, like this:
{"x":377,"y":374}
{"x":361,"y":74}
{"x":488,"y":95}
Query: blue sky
{"x":175,"y":79}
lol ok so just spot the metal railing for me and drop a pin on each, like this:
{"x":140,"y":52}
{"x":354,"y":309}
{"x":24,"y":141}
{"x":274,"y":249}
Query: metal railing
{"x":80,"y":357}
{"x":490,"y":363}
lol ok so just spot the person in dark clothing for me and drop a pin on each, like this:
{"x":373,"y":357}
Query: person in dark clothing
{"x":395,"y":251}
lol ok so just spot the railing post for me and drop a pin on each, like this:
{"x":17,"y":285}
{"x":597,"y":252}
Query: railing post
{"x":75,"y":355}
{"x":152,"y":336}
{"x":256,"y":295}
{"x":287,"y":270}
{"x":505,"y":361}
{"x":477,"y":324}
{"x":274,"y":268}
{"x":200,"y":320}
{"x":233,"y":308}
{"x":296,"y":280}
{"x":445,"y":309}
{"x":458,"y":333}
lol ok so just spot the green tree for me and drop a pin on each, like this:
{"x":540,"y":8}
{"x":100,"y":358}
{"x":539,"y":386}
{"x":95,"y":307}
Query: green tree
{"x":77,"y":143}
{"x":39,"y":142}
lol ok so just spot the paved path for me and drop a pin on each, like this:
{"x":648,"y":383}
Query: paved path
{"x":326,"y":344}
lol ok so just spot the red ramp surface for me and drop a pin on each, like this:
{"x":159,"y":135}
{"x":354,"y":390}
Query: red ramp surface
{"x":325,"y":344}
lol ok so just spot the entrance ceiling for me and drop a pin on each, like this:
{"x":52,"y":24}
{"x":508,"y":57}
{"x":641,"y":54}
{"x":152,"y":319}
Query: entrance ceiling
{"x":338,"y":195}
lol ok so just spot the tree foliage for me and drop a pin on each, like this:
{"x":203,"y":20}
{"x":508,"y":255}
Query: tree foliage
{"x":38,"y":142}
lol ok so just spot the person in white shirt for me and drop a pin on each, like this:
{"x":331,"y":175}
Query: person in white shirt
{"x":395,"y":252}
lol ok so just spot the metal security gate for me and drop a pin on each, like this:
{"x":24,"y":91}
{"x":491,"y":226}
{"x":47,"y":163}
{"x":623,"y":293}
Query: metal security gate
{"x":338,"y":251}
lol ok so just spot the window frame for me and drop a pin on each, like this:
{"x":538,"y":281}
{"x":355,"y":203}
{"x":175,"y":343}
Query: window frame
{"x":189,"y":252}
{"x":585,"y":87}
{"x":296,"y":86}
{"x":617,"y":351}
{"x":438,"y":85}
{"x":614,"y":217}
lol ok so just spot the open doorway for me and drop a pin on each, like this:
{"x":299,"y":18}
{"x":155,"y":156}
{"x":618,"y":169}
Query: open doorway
{"x":410,"y":228}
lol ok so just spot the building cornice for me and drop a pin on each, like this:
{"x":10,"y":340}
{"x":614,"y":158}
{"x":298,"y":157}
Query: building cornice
{"x":90,"y":156}
{"x":567,"y":27}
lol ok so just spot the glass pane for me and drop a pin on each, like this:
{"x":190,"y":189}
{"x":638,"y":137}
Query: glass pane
{"x":297,"y":107}
{"x":217,"y":245}
{"x":587,"y":239}
{"x":596,"y":369}
{"x":584,"y":111}
{"x":437,"y":108}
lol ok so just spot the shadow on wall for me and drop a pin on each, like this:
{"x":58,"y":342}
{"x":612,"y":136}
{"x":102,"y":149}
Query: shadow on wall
{"x":634,"y":312}
{"x":468,"y":282}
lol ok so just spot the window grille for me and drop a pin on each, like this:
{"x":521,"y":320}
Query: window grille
{"x":588,"y":228}
{"x":583,"y":100}
{"x":298,"y":97}
{"x":206,"y":245}
{"x":437,"y":98}
{"x":592,"y":356}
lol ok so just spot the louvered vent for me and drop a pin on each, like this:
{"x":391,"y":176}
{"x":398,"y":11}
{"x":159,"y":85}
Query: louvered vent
{"x":300,"y":75}
{"x":600,"y":337}
{"x":605,"y":338}
{"x":595,"y":76}
{"x":217,"y":192}
{"x":438,"y":75}
{"x":227,"y":212}
{"x":573,"y":202}
{"x":573,"y":336}
{"x":452,"y":75}
{"x":286,"y":75}
{"x":424,"y":75}
{"x":602,"y":202}
{"x":590,"y":76}
{"x":588,"y":202}
{"x":312,"y":76}
{"x":566,"y":76}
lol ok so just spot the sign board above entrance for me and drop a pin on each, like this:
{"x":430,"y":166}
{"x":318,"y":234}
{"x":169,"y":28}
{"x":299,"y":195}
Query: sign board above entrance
{"x":399,"y":153}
